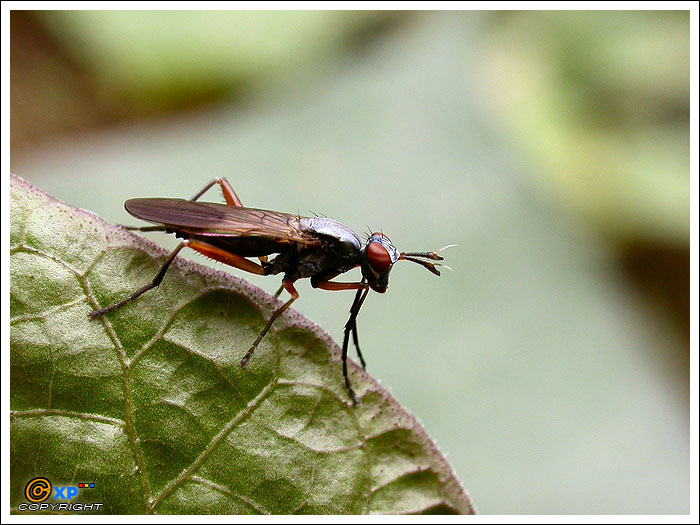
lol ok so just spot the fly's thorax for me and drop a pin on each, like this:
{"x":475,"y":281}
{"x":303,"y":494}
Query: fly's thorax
{"x":337,"y":251}
{"x":335,"y":232}
{"x":376,"y":261}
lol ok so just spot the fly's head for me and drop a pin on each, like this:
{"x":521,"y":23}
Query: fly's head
{"x":379,"y":255}
{"x":376,"y":260}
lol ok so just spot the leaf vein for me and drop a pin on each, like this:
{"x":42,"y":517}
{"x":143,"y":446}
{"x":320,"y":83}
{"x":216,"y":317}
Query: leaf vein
{"x":66,"y":413}
{"x":212,"y":445}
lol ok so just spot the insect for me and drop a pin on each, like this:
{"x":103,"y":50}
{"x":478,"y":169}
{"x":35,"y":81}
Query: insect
{"x":317,"y":248}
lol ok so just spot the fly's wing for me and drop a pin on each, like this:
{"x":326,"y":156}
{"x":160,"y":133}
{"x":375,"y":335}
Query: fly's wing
{"x":207,"y":218}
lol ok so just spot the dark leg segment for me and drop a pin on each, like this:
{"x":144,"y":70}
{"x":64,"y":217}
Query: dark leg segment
{"x":344,"y":357}
{"x":355,"y":339}
{"x":143,"y":228}
{"x":153,"y":284}
{"x":289,"y":286}
{"x":202,"y":247}
{"x":357,"y":345}
{"x":362,"y":289}
{"x":350,"y":325}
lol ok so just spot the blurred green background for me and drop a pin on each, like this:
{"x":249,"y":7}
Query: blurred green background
{"x":551,"y":366}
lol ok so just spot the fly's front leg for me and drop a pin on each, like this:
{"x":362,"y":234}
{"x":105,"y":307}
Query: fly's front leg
{"x":362,"y":290}
{"x":351,"y":325}
{"x":289,"y":286}
{"x":356,"y":342}
{"x":355,"y":339}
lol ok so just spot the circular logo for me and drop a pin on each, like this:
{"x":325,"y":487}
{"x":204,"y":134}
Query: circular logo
{"x":37,"y":490}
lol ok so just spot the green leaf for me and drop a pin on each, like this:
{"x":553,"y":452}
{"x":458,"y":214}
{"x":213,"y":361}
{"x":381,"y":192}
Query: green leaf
{"x":149,"y":403}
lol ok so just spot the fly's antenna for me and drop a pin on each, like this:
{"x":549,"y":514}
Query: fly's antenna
{"x":418,"y":257}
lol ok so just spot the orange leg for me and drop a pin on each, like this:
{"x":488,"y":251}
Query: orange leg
{"x":230,"y":195}
{"x":334,"y":286}
{"x":231,"y":259}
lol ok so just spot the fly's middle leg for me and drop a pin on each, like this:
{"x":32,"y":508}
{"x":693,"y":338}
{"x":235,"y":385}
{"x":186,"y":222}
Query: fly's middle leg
{"x":289,"y":286}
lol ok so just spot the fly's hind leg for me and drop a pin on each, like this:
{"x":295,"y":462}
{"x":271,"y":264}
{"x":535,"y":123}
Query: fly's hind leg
{"x":202,"y":247}
{"x":156,"y":281}
{"x":143,"y":228}
{"x":229,"y":195}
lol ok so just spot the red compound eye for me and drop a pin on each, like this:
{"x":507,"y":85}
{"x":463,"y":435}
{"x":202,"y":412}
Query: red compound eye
{"x":378,"y":257}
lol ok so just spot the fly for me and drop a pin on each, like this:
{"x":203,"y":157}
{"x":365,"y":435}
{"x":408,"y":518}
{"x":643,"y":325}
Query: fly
{"x":317,"y":248}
